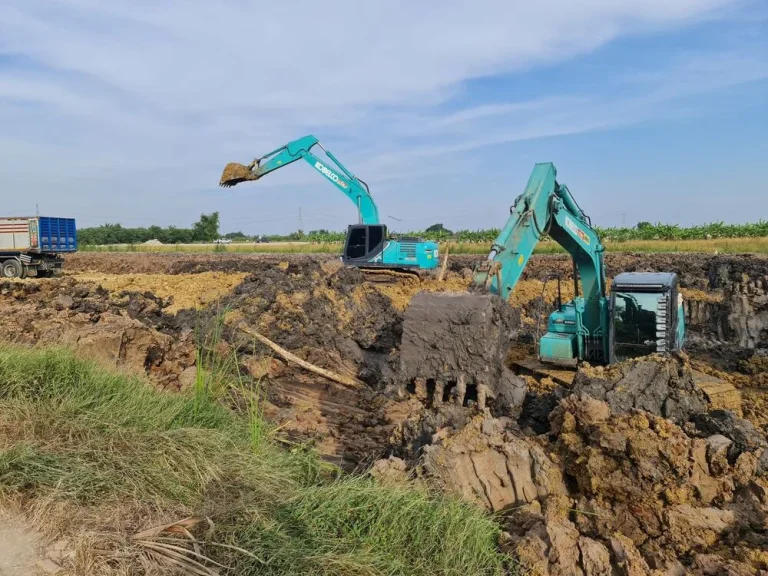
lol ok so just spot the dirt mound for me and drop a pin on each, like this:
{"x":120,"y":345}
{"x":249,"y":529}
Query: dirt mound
{"x":182,"y":262}
{"x":627,"y":493}
{"x":671,"y":495}
{"x":183,"y":291}
{"x":660,"y":385}
{"x":742,"y":434}
{"x":301,"y":306}
{"x":706,"y":272}
{"x":489,"y":464}
{"x":129,"y":330}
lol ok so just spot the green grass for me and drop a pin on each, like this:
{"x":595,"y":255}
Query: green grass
{"x":73,"y":433}
{"x":272,"y":248}
{"x":721,"y":245}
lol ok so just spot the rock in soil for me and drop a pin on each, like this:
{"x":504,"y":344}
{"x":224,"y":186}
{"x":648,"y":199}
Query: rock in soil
{"x":742,"y":434}
{"x":661,"y":385}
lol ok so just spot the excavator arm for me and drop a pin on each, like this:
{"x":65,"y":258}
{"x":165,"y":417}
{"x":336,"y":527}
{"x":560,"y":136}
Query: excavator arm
{"x":464,"y":337}
{"x":460,"y":341}
{"x":352,"y":187}
{"x":545,"y":207}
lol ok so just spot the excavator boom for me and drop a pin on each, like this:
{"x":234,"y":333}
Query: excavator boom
{"x":367,"y":244}
{"x":300,"y":149}
{"x":546,"y":207}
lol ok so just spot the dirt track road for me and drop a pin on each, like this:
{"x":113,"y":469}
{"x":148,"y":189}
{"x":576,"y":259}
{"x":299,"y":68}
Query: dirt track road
{"x":18,"y":547}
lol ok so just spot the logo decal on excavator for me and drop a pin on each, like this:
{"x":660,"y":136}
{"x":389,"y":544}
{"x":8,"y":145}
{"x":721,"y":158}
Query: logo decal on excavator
{"x":330,"y":174}
{"x":576,"y":230}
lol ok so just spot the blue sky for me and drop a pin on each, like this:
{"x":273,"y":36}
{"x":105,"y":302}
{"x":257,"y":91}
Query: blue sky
{"x":126,"y":111}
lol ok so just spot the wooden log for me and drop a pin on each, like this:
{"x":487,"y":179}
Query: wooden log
{"x":344,"y":380}
{"x":443,"y":266}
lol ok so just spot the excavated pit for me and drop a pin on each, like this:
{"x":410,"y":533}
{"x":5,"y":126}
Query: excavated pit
{"x":626,"y":470}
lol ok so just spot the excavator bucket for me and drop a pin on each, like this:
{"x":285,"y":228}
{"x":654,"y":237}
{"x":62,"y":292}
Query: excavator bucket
{"x":454,"y":345}
{"x":235,"y":173}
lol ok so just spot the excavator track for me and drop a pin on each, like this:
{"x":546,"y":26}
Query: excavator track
{"x":387,"y":276}
{"x":534,"y":367}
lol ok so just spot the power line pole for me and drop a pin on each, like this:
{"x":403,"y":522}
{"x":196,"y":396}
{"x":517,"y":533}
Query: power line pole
{"x":301,"y":221}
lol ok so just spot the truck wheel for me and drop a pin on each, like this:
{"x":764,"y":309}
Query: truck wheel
{"x":24,"y":272}
{"x":11,"y":269}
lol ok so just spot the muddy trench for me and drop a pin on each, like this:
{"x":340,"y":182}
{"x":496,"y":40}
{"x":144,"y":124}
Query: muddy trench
{"x":632,"y":469}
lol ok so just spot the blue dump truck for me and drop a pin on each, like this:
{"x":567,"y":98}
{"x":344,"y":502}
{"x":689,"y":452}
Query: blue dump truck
{"x":34,"y":246}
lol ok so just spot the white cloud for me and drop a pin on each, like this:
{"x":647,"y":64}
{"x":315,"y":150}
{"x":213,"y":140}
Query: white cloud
{"x":199,"y":55}
{"x":151,"y":96}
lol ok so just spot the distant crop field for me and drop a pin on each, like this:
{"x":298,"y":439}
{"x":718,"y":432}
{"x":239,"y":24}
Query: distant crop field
{"x":719,"y":245}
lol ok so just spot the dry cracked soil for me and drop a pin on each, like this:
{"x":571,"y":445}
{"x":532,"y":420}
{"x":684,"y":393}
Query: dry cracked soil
{"x":631,"y":469}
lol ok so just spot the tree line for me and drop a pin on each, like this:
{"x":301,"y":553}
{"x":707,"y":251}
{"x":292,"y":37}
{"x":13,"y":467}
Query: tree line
{"x":207,"y":230}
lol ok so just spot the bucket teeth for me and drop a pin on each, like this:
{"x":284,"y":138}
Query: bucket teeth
{"x":461,"y":389}
{"x":437,"y":392}
{"x":437,"y":397}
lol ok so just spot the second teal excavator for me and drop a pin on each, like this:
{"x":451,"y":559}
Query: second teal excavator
{"x":367,"y":244}
{"x":458,"y":337}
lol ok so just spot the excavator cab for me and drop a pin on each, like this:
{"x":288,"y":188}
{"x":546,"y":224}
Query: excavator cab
{"x":364,"y":242}
{"x":369,"y":246}
{"x":646,"y":315}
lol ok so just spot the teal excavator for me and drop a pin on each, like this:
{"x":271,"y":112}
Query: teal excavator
{"x":367,"y":244}
{"x":642,"y":315}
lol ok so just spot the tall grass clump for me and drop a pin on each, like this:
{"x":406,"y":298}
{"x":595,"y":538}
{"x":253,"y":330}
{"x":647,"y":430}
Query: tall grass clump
{"x":116,"y":454}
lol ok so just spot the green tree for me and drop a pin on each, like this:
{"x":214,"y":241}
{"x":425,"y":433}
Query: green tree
{"x":439,"y":229}
{"x":207,"y":228}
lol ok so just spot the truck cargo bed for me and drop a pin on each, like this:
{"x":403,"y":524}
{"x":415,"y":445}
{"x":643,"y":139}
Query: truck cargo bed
{"x":38,"y":234}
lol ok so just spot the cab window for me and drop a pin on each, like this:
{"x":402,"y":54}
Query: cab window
{"x":634,"y":316}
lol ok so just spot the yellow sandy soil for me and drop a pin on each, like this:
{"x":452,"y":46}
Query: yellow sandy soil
{"x":401,"y":293}
{"x":187,"y":290}
{"x":701,"y":296}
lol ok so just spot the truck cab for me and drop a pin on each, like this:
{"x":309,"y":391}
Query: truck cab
{"x":646,"y":315}
{"x":369,"y":246}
